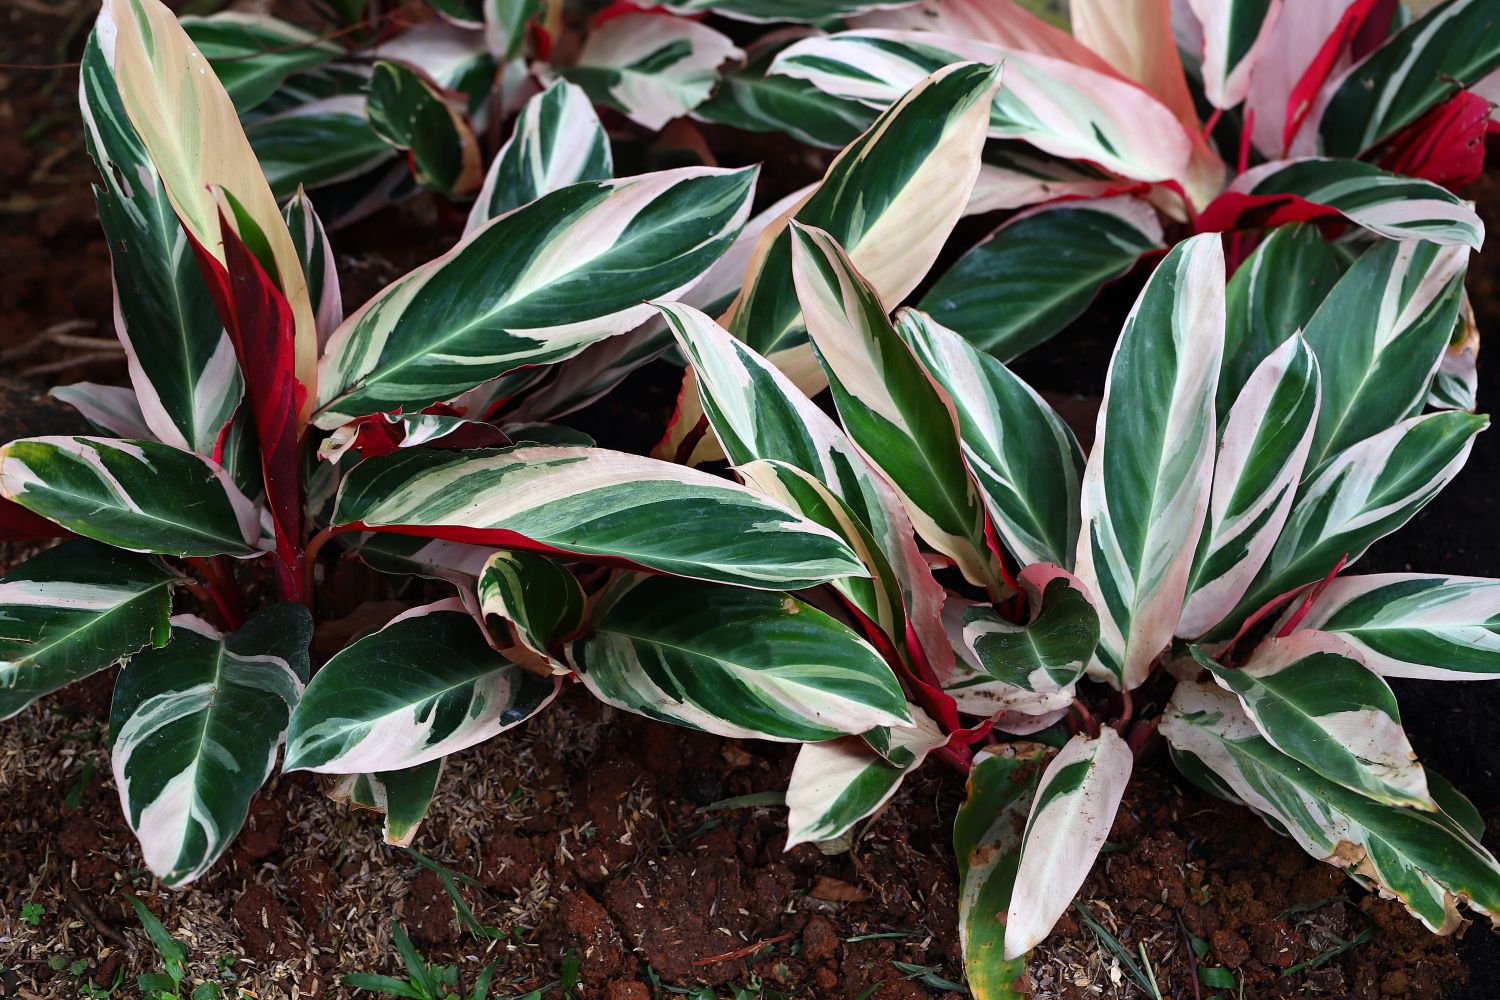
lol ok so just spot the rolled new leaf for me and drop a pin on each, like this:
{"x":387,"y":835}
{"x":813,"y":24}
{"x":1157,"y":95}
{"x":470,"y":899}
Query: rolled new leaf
{"x":735,"y":662}
{"x":137,"y":495}
{"x":1262,"y":454}
{"x":1024,"y":458}
{"x":422,"y":687}
{"x":1048,"y":653}
{"x":1070,"y":818}
{"x":901,"y":421}
{"x":594,"y":504}
{"x":195,"y":726}
{"x":1312,"y":699}
{"x":1235,"y":33}
{"x":1427,"y":860}
{"x":1146,"y":484}
{"x":74,"y":610}
{"x":536,"y":286}
{"x":987,"y":840}
{"x":1437,"y":628}
{"x":837,"y":783}
{"x":537,"y":601}
{"x":558,"y":140}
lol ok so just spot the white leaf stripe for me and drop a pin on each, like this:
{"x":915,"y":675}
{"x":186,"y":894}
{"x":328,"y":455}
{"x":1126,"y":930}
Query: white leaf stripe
{"x":1412,"y":625}
{"x":195,"y":729}
{"x":1070,"y":818}
{"x":1260,"y":462}
{"x":424,"y":686}
{"x":137,"y":495}
{"x":534,"y":286}
{"x":735,"y":662}
{"x":1312,"y":699}
{"x":594,"y":503}
{"x":73,"y":610}
{"x":1146,"y":485}
{"x":837,"y":783}
{"x":1427,"y":860}
{"x":557,"y":141}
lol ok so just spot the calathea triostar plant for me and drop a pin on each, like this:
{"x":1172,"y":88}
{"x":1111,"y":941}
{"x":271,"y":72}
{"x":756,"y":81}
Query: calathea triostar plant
{"x":262,"y":430}
{"x":1199,"y":544}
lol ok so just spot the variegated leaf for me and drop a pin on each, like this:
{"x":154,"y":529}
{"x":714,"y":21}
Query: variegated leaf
{"x":735,"y":662}
{"x":382,"y":433}
{"x":411,"y":113}
{"x":320,"y":143}
{"x":987,"y":835}
{"x":1359,"y":496}
{"x":432,"y":559}
{"x":422,"y":687}
{"x":650,"y":67}
{"x":318,"y":264}
{"x":975,"y":691}
{"x":837,"y":783}
{"x":535,"y":286}
{"x":557,"y":141}
{"x":1304,"y":47}
{"x":1135,"y":39}
{"x":137,"y":495}
{"x":1146,"y":484}
{"x":1452,"y":46}
{"x":1426,"y":860}
{"x":112,"y":409}
{"x":1271,"y":296}
{"x":192,"y":134}
{"x":1379,"y":337}
{"x":1039,"y":272}
{"x":538,"y":602}
{"x":594,"y":504}
{"x":195,"y":726}
{"x":73,"y":610}
{"x":1455,"y":386}
{"x":757,"y":413}
{"x":1235,"y":33}
{"x":253,"y":54}
{"x":1070,"y":817}
{"x":1048,"y":652}
{"x":1022,"y":455}
{"x":1399,"y":208}
{"x":1437,"y":628}
{"x":1262,"y":454}
{"x":1058,"y":106}
{"x":505,"y":24}
{"x":1312,"y":699}
{"x":899,"y":419}
{"x":811,"y":11}
{"x":402,"y":796}
{"x":181,"y":363}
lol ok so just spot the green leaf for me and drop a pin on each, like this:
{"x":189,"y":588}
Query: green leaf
{"x":1359,"y":496}
{"x":538,"y":602}
{"x":315,"y":144}
{"x":1049,"y":652}
{"x":1271,"y":296}
{"x":1023,"y":457}
{"x":987,"y":840}
{"x":403,"y":795}
{"x":422,"y":687}
{"x":837,"y":783}
{"x":533,"y":287}
{"x":409,"y":112}
{"x":180,"y":361}
{"x":195,"y":728}
{"x":253,"y":54}
{"x":137,"y":495}
{"x":1425,"y":859}
{"x":1312,"y":699}
{"x":1379,"y":337}
{"x":557,"y":141}
{"x":1262,"y":453}
{"x":650,"y":67}
{"x":1441,"y":628}
{"x":899,"y":419}
{"x":594,"y":504}
{"x":735,"y":662}
{"x":1146,"y":484}
{"x":1037,"y":273}
{"x":74,"y":610}
{"x":1070,"y":818}
{"x":1452,"y":46}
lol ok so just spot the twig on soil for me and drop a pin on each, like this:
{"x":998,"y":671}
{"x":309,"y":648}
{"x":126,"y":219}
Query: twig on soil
{"x":749,"y":949}
{"x":91,"y":917}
